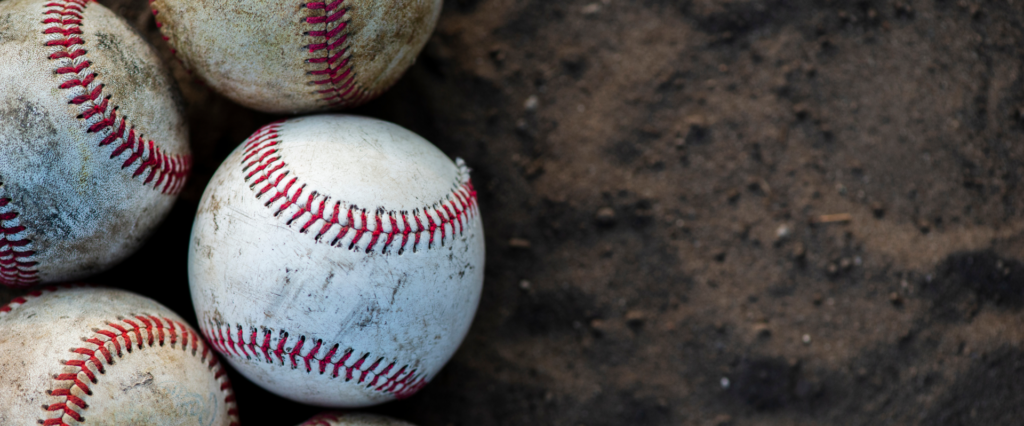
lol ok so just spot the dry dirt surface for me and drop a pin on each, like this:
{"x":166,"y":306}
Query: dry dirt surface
{"x":706,"y":212}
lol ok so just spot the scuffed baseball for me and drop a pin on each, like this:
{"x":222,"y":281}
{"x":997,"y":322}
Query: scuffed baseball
{"x":337,"y":260}
{"x":352,"y":419}
{"x":301,"y":55}
{"x":93,"y":147}
{"x":85,"y":355}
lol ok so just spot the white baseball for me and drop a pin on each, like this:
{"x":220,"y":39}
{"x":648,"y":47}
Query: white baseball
{"x":352,"y":419}
{"x":337,"y":260}
{"x":93,"y":148}
{"x":298,"y":55}
{"x":83,"y":355}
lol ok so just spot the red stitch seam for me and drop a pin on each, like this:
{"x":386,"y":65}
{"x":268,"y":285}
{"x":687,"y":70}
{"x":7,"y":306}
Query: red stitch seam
{"x":63,"y":22}
{"x":347,"y":225}
{"x":337,"y":80}
{"x":137,"y":332}
{"x":18,"y":266}
{"x":377,"y":374}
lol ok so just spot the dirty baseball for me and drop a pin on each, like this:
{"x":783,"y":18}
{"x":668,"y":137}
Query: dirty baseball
{"x":301,"y":55}
{"x":337,"y":260}
{"x":74,"y":353}
{"x":93,"y":147}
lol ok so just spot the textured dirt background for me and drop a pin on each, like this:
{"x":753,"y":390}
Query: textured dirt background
{"x":707,"y":212}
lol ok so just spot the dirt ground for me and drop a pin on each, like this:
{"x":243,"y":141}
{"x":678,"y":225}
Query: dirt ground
{"x":737,"y":212}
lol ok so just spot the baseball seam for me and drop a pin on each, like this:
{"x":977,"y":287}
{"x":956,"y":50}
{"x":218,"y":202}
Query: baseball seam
{"x":18,"y":266}
{"x":331,"y":49}
{"x":344,"y":224}
{"x":63,"y":30}
{"x":106,"y":343}
{"x":314,"y":355}
{"x":115,"y":340}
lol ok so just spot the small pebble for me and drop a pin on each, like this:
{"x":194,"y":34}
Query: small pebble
{"x":524,"y":285}
{"x":531,"y":103}
{"x":519,"y":243}
{"x":895,"y":298}
{"x":845,"y":263}
{"x":762,"y":330}
{"x":605,"y":216}
{"x":782,"y":232}
{"x":722,"y":420}
{"x":724,"y":382}
{"x":806,"y":339}
{"x":798,"y":251}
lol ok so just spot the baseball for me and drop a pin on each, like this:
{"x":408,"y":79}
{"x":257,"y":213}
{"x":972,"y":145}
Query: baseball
{"x":337,"y":260}
{"x":93,"y":147}
{"x":352,"y":419}
{"x":109,"y":356}
{"x":297,"y":56}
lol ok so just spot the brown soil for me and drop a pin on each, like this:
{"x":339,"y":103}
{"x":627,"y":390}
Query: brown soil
{"x":707,"y":212}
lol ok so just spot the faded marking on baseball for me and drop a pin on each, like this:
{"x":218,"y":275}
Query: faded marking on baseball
{"x":331,"y":50}
{"x":63,"y":29}
{"x":374,"y":372}
{"x":346,"y":224}
{"x":17,"y":258}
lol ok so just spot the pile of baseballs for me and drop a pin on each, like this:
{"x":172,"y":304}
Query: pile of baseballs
{"x":335,"y":260}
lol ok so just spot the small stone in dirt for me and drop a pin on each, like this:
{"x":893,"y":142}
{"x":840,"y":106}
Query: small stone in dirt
{"x":519,"y":243}
{"x":635,"y":320}
{"x":832,"y":269}
{"x":924,"y":225}
{"x":762,"y":330}
{"x":531,"y":103}
{"x":895,"y":298}
{"x":605,"y":216}
{"x":806,"y":339}
{"x":722,"y":419}
{"x":801,"y":110}
{"x":591,"y":8}
{"x":524,"y":285}
{"x":782,"y":232}
{"x":732,"y":195}
{"x":798,"y":251}
{"x":845,"y":263}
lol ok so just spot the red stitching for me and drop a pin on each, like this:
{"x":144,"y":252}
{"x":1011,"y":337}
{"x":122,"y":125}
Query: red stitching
{"x":18,"y":266}
{"x":64,"y":19}
{"x":331,"y":49}
{"x":119,"y":339}
{"x":401,"y":384}
{"x":141,"y":331}
{"x":265,"y":171}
